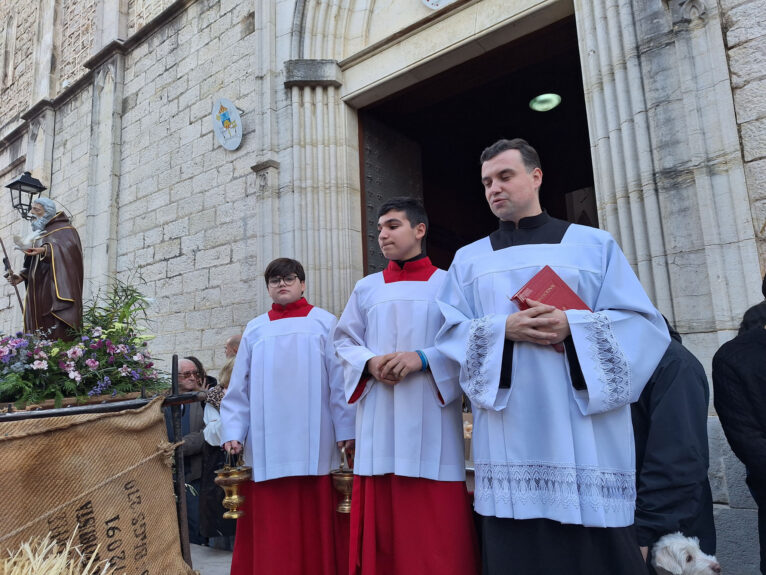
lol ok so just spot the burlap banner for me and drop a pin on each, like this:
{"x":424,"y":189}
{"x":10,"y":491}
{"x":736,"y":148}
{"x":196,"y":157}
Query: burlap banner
{"x":106,"y":474}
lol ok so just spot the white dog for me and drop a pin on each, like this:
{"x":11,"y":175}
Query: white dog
{"x":676,"y":554}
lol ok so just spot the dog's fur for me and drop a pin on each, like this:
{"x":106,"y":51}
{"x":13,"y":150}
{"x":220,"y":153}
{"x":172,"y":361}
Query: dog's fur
{"x":676,"y":554}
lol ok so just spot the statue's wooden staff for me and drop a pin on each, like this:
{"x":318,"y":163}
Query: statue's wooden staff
{"x":9,"y":271}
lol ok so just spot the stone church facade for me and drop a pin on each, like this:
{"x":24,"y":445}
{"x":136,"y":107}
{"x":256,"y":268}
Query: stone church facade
{"x":108,"y":103}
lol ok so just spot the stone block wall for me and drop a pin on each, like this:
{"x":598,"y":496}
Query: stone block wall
{"x":77,"y":34}
{"x":744,"y":24}
{"x":141,"y":11}
{"x":69,"y":180}
{"x":16,"y":94}
{"x":187,"y":213}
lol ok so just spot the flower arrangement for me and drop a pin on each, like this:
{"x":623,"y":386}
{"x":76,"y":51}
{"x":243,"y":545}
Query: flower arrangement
{"x":109,"y":356}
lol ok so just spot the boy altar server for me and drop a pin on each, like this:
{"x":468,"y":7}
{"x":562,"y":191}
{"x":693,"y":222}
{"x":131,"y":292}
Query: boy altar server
{"x":409,"y":511}
{"x":285,"y":404}
{"x":552,"y":437}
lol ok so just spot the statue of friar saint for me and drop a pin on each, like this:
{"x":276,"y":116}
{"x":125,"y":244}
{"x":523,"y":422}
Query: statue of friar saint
{"x":53,"y":273}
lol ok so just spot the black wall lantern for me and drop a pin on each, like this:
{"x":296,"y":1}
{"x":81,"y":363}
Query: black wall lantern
{"x":24,"y":191}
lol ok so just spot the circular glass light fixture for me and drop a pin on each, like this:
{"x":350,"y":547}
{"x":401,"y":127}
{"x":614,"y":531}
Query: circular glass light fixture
{"x":544,"y":102}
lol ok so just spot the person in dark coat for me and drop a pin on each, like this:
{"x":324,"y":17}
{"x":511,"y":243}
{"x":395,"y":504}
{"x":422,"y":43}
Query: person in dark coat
{"x":739,"y":381}
{"x":670,"y":428}
{"x":756,"y":315}
{"x":192,"y":377}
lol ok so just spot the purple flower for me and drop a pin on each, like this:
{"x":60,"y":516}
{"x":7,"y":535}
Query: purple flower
{"x":100,"y":387}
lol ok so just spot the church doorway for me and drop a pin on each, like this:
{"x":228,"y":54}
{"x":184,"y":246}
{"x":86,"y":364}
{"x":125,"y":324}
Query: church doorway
{"x":425,"y":141}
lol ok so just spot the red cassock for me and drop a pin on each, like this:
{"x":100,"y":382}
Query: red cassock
{"x":291,"y":527}
{"x":411,"y":526}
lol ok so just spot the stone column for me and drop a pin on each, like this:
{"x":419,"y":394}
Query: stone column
{"x":667,"y":161}
{"x":320,"y":201}
{"x":100,"y":237}
{"x":620,"y":141}
{"x":111,"y":23}
{"x":41,"y":116}
{"x":41,"y":129}
{"x":46,"y":48}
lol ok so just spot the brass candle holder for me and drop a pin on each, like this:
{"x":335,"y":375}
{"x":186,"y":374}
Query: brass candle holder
{"x":230,"y":478}
{"x":343,"y":481}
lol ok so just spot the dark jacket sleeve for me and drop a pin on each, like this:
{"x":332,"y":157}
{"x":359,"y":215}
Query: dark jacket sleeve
{"x":194,"y":440}
{"x":670,"y":422}
{"x":737,"y":381}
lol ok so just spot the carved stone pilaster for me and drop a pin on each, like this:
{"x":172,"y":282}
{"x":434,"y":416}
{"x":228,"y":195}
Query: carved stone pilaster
{"x":40,"y":132}
{"x":100,"y":237}
{"x":317,"y":205}
{"x":667,"y":160}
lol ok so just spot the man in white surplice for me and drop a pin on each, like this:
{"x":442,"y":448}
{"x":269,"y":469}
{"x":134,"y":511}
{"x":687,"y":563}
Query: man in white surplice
{"x":552,"y":440}
{"x":409,"y":511}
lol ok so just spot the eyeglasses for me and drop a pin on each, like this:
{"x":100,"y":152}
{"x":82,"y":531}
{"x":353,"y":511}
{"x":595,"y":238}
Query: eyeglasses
{"x":188,"y":374}
{"x":287,"y":280}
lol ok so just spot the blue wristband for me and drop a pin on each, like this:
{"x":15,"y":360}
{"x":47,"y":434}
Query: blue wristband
{"x":423,"y":360}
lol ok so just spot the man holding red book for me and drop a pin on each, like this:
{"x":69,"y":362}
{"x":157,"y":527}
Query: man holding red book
{"x":552,"y":439}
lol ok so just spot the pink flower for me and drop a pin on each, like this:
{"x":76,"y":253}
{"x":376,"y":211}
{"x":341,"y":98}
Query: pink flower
{"x":91,"y":363}
{"x":74,"y":352}
{"x":40,"y":354}
{"x":138,"y":357}
{"x":75,"y":375}
{"x":39,"y":364}
{"x":125,"y":370}
{"x":97,"y":331}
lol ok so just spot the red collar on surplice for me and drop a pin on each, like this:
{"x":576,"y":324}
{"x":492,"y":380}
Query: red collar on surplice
{"x":300,"y":308}
{"x":418,"y":271}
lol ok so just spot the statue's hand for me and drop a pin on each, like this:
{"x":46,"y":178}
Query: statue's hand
{"x":14,"y":279}
{"x":34,"y":251}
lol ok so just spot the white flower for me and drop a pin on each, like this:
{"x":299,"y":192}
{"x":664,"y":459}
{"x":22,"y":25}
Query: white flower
{"x":39,"y":364}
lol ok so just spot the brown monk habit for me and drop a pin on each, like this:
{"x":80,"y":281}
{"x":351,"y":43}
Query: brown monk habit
{"x":54,"y":281}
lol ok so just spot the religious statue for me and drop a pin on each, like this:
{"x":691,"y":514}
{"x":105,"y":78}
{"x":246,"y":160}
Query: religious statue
{"x":53,"y":273}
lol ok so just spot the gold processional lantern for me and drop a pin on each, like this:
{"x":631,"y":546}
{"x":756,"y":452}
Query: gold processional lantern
{"x":343,"y":481}
{"x":230,"y":478}
{"x":24,"y":191}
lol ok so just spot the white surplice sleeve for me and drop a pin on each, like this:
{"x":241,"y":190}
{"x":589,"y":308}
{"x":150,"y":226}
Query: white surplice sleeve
{"x":446,"y":375}
{"x":343,"y":414}
{"x":235,"y":406}
{"x":475,"y":343}
{"x":212,"y":430}
{"x":621,"y":342}
{"x":349,"y":340}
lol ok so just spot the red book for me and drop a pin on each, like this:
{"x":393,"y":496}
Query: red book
{"x":547,"y":287}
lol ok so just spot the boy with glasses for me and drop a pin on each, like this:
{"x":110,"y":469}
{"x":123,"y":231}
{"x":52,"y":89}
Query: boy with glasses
{"x":285,"y":408}
{"x":409,"y":508}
